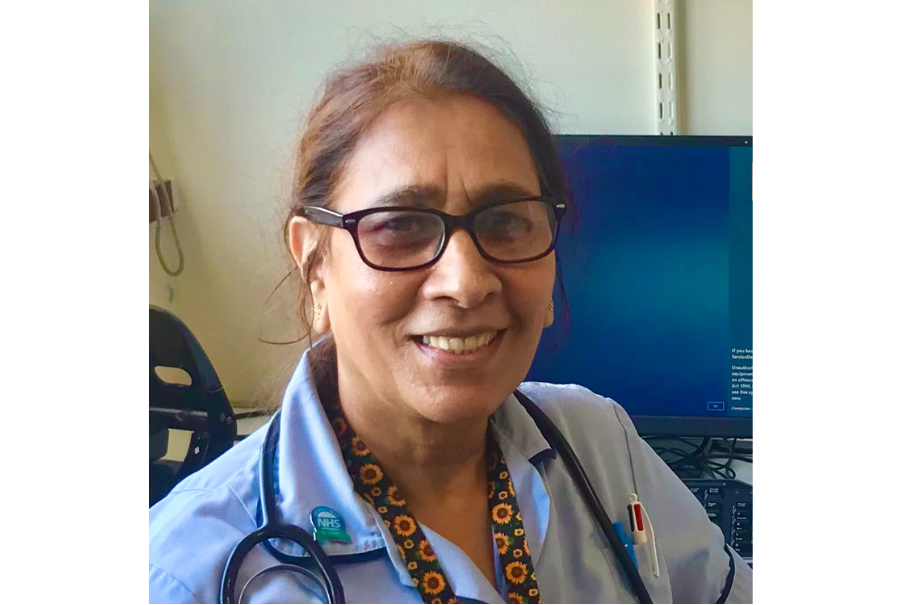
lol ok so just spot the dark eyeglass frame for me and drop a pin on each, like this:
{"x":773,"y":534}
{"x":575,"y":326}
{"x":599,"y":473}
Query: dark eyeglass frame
{"x":451,"y":223}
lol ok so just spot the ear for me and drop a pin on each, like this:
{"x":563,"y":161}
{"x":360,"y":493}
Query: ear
{"x":302,"y":244}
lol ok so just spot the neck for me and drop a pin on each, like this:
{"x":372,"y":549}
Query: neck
{"x":429,"y":462}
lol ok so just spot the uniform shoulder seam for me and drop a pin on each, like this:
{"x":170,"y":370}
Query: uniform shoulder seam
{"x":553,"y":394}
{"x":628,"y":448}
{"x":211,"y":490}
{"x":225,"y":484}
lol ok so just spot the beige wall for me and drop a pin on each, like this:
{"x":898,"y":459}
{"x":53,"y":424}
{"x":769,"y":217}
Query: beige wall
{"x":717,"y":67}
{"x":230,"y":81}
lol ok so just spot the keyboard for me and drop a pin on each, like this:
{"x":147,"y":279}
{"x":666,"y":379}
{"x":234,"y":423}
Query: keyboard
{"x":728,"y":504}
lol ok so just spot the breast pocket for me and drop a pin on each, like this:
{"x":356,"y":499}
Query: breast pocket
{"x":615,"y":584}
{"x":657,"y":586}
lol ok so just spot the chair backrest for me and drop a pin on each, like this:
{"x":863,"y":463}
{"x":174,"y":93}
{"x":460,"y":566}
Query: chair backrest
{"x":201,"y":407}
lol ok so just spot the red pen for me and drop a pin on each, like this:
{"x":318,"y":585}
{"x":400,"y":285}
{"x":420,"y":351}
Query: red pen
{"x":642,"y":530}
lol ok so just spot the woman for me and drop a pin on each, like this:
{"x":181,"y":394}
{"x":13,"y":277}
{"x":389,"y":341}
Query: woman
{"x":428,"y":195}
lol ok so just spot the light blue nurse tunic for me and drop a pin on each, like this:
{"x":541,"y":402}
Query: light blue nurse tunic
{"x":195,"y":528}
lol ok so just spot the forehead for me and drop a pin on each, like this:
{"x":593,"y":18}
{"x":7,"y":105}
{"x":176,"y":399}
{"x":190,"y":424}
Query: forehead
{"x":458,"y":146}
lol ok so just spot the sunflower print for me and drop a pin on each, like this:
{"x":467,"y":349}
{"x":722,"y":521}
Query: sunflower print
{"x":372,"y":484}
{"x":501,"y":514}
{"x":415,"y":550}
{"x":393,"y":498}
{"x":509,"y":532}
{"x":516,"y":572}
{"x":426,"y":552}
{"x":404,"y":525}
{"x":370,"y":474}
{"x":359,"y":447}
{"x":433,"y":582}
{"x":502,"y":542}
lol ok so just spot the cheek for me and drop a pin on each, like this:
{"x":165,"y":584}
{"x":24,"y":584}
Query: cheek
{"x":361,"y":296}
{"x":532,"y":292}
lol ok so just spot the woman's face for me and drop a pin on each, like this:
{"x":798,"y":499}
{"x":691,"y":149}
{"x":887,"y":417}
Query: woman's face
{"x":459,"y":152}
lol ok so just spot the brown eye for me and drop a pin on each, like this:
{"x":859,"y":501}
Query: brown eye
{"x":400,"y":238}
{"x":517,"y":230}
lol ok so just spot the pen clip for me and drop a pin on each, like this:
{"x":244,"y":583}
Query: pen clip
{"x":637,"y":521}
{"x":643,"y":530}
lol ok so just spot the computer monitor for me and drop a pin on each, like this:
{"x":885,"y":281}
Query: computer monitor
{"x":656,"y":259}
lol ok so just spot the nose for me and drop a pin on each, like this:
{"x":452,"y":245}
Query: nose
{"x":461,"y":274}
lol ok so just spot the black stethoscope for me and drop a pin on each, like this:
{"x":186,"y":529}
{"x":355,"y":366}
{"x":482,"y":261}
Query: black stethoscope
{"x":272,"y":528}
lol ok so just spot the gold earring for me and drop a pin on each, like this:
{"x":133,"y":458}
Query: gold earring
{"x":317,"y":311}
{"x":551,"y":306}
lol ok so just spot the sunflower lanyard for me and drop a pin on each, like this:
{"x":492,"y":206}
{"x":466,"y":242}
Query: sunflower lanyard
{"x":427,"y":575}
{"x":509,"y":531}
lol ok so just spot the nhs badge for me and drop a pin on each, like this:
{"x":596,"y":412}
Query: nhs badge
{"x":328,"y":525}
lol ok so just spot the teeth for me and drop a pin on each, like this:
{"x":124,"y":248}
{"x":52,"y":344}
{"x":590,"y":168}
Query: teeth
{"x":459,"y":345}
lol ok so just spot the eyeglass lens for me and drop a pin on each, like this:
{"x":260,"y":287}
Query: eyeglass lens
{"x":398,"y":239}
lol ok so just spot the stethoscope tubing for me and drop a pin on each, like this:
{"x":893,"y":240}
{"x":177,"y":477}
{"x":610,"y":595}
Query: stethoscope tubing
{"x":562,"y":447}
{"x":271,"y":528}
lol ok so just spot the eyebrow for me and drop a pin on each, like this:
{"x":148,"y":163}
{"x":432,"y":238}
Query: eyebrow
{"x":417,"y":196}
{"x":426,"y":196}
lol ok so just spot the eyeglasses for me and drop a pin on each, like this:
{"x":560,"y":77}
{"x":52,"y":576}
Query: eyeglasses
{"x":402,"y":239}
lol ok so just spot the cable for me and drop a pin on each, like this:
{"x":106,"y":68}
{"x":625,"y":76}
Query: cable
{"x":699,"y":451}
{"x":172,"y":209}
{"x":708,"y":458}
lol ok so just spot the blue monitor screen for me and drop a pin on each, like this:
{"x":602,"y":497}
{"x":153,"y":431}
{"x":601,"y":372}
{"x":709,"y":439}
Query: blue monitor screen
{"x":656,"y":260}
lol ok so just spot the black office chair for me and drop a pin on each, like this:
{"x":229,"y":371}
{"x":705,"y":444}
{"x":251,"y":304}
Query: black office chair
{"x":200,"y":407}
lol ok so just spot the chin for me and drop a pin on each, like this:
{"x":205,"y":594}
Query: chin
{"x":459,"y":404}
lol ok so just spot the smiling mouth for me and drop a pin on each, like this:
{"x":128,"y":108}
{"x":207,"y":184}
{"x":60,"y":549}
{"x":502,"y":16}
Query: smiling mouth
{"x":459,"y":345}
